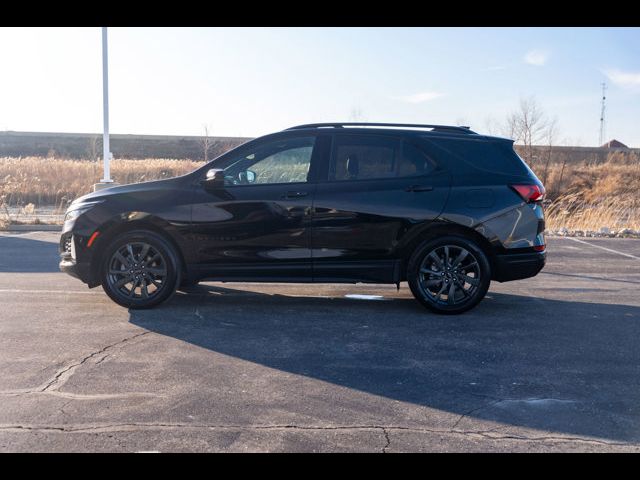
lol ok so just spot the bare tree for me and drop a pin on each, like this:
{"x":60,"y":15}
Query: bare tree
{"x":511,"y":128}
{"x":528,"y":125}
{"x":492,"y":126}
{"x":207,"y":142}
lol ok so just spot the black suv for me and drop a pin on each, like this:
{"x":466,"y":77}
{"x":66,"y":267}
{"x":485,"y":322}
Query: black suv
{"x":442,"y":207}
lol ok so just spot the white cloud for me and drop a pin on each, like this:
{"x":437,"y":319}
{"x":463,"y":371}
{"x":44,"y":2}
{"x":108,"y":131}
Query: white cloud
{"x":536,"y":57}
{"x":624,"y":79}
{"x":420,"y":97}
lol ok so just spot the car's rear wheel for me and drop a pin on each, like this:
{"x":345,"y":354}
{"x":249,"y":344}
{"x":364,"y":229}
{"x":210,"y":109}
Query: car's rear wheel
{"x":140,"y":269}
{"x":449,"y":275}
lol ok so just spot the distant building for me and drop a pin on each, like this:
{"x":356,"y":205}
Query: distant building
{"x":614,"y":144}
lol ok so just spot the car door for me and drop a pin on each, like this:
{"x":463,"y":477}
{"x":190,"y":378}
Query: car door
{"x":377,"y":190}
{"x":259,"y":224}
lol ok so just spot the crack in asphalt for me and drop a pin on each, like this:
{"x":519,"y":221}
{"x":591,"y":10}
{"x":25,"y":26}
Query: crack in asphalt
{"x":102,"y":359}
{"x":489,"y":434}
{"x":63,"y":375}
{"x":386,"y":436}
{"x":58,"y":380}
{"x":63,"y":406}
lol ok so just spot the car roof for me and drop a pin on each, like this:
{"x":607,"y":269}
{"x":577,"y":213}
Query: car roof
{"x":422,"y":130}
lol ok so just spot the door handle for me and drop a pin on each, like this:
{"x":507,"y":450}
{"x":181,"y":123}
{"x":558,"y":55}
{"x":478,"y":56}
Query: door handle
{"x":418,"y":188}
{"x":295,"y":195}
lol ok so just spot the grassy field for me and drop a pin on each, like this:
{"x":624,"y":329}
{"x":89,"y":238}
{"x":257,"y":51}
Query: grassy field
{"x":581,"y":196}
{"x":592,"y":196}
{"x":46,"y":181}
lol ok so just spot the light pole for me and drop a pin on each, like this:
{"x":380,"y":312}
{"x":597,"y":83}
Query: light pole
{"x":105,"y":181}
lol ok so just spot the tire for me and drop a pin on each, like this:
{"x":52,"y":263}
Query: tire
{"x":431,"y":281}
{"x":147,"y":261}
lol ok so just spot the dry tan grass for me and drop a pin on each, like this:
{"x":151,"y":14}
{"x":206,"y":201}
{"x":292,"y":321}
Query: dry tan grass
{"x":591,"y":196}
{"x":47,"y":181}
{"x":619,"y":176}
{"x":574,"y":213}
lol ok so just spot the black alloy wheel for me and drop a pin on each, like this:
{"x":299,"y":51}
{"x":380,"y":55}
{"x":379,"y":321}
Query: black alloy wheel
{"x":140,"y":270}
{"x":449,"y":275}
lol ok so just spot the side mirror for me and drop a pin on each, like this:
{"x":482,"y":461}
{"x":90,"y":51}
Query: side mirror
{"x":246,"y":177}
{"x":214,"y":179}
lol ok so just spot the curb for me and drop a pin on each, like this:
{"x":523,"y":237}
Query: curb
{"x":33,"y":228}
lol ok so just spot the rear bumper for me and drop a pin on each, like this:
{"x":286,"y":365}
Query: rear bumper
{"x":517,"y":266}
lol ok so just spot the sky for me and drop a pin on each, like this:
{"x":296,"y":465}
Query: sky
{"x":253,"y":81}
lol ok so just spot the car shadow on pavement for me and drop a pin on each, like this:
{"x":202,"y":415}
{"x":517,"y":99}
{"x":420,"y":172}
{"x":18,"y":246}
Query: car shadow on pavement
{"x":22,"y":254}
{"x":560,"y":366}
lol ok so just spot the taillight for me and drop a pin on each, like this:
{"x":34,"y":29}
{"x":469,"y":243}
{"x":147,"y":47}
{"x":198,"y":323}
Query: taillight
{"x":539,"y":248}
{"x":530,"y":193}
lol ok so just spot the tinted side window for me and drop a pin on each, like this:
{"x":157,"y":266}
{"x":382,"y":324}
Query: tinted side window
{"x":278,"y":161}
{"x":286,"y":166}
{"x":358,"y":157}
{"x":414,"y":161}
{"x":482,"y":155}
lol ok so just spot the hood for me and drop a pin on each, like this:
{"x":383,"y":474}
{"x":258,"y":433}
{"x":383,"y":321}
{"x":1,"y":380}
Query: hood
{"x":157,"y":185}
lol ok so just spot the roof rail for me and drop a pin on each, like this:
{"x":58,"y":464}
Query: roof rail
{"x":367,"y":124}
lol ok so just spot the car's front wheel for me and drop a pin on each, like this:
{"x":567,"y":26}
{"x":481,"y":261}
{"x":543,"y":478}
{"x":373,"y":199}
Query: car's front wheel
{"x":140,"y":269}
{"x":449,"y":275}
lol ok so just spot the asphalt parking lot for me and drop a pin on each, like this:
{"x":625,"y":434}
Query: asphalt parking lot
{"x":546,"y":364}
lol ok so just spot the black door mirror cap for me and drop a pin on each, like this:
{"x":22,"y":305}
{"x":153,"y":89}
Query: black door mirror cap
{"x":214,"y":179}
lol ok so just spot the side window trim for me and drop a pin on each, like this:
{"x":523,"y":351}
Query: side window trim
{"x":320,"y":158}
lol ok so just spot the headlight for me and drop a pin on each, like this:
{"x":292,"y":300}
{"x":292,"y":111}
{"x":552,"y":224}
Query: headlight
{"x":73,"y":214}
{"x":79,"y":210}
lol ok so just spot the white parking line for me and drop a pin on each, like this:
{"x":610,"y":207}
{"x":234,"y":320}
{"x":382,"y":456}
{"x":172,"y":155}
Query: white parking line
{"x":604,"y":248}
{"x":26,"y":234}
{"x":358,"y":296}
{"x":58,"y":292}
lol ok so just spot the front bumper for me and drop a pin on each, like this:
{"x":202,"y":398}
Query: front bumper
{"x":69,"y":266}
{"x":516,"y":266}
{"x":70,"y":263}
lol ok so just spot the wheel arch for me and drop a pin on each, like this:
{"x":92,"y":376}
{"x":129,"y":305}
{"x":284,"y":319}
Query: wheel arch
{"x":441,"y":229}
{"x":128,"y":222}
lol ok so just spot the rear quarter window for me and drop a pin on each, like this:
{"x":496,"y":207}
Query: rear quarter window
{"x":495,"y":157}
{"x":414,"y":161}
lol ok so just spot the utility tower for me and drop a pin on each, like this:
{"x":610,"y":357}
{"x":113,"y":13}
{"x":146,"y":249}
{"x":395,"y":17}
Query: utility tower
{"x":602,"y":123}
